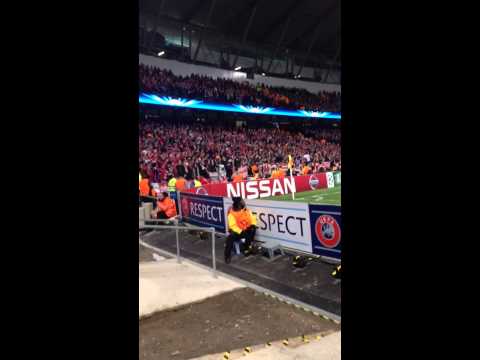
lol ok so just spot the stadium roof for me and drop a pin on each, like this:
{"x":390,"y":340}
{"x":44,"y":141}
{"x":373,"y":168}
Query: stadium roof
{"x":310,"y":28}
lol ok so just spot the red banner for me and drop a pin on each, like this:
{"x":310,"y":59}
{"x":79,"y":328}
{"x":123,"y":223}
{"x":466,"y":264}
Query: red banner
{"x":256,"y":189}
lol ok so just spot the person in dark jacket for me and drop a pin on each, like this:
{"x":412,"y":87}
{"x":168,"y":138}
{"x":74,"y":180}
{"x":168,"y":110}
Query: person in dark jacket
{"x":181,"y":172}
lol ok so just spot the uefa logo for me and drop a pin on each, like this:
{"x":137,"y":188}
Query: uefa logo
{"x":201,"y":191}
{"x":328,"y":231}
{"x":313,"y":182}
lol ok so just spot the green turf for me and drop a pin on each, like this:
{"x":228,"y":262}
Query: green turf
{"x":321,"y":196}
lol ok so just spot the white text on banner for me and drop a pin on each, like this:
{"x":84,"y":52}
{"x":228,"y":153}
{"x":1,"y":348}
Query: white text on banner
{"x":280,"y":222}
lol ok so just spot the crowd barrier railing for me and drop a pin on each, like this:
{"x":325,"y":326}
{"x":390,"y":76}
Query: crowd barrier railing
{"x":177,"y":228}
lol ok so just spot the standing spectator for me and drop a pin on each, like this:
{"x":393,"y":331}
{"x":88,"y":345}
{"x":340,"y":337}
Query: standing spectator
{"x":181,"y":172}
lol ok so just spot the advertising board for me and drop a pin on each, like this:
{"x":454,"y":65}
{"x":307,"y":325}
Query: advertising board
{"x":326,"y":230}
{"x":285,"y":223}
{"x":206,"y":211}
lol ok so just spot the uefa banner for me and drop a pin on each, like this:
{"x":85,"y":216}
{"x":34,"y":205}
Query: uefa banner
{"x":326,"y":230}
{"x":206,"y":211}
{"x":286,"y":223}
{"x":257,"y":189}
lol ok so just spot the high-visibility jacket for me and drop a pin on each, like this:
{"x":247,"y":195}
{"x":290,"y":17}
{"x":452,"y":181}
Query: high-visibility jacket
{"x":167,"y":205}
{"x":197,"y":183}
{"x":171,"y":185}
{"x":180,"y":184}
{"x":144,"y":187}
{"x":276,"y":174}
{"x":237,"y":178}
{"x":305,"y":170}
{"x":239,"y":221}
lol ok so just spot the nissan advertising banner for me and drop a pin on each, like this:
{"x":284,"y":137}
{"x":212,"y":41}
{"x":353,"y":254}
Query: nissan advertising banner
{"x":257,"y":189}
{"x":281,"y":222}
{"x":326,"y":229}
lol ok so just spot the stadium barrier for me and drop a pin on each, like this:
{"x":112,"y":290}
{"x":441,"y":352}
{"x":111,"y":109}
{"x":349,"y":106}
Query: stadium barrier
{"x":313,"y":229}
{"x":177,"y":228}
{"x":263,"y":188}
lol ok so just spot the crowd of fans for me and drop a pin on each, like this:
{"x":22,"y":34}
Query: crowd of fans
{"x":165,"y":83}
{"x":191,"y":150}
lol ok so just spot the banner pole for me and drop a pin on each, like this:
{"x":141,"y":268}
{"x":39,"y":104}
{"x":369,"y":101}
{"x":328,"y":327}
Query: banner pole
{"x":293,"y":182}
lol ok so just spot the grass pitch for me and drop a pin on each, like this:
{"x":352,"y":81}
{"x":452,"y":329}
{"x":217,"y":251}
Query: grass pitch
{"x":322,"y":196}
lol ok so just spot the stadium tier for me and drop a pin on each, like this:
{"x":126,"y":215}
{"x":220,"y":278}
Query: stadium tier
{"x":164,"y":83}
{"x":216,"y":153}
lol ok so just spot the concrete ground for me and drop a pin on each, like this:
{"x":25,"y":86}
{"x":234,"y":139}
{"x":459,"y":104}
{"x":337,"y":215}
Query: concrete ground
{"x":312,"y":285}
{"x":147,"y":255}
{"x":233,"y":320}
{"x":165,"y":284}
{"x":325,"y":348}
{"x":223,"y":314}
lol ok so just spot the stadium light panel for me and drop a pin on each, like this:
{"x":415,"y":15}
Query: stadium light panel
{"x":258,"y":110}
{"x":161,"y":53}
{"x":238,"y":68}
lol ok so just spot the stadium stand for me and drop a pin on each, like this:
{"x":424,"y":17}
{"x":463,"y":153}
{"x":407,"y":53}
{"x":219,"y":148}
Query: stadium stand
{"x":164,"y":82}
{"x":191,"y":149}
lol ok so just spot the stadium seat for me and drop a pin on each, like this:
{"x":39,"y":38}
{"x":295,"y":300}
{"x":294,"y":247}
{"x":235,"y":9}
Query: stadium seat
{"x":272,"y":249}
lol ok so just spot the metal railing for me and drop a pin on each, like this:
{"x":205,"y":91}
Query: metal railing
{"x":176,"y":227}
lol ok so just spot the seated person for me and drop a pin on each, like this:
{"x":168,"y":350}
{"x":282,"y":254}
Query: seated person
{"x":165,"y":207}
{"x":241,"y":224}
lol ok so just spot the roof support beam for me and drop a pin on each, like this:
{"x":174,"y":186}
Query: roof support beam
{"x":280,"y":40}
{"x":334,"y":62}
{"x":162,"y":6}
{"x":153,"y":33}
{"x":310,"y":46}
{"x":209,"y":18}
{"x":319,"y":19}
{"x":246,"y":30}
{"x":230,"y":22}
{"x":285,"y":16}
{"x":193,"y":11}
{"x":156,"y":21}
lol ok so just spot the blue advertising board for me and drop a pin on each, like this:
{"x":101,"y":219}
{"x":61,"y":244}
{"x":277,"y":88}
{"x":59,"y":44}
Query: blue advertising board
{"x":326,"y":227}
{"x":200,"y":210}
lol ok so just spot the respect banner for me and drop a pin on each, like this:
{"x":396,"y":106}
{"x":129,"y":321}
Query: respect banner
{"x":286,"y":223}
{"x":206,"y":211}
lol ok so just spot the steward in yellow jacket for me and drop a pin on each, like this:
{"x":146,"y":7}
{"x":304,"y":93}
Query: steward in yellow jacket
{"x":171,"y":183}
{"x":242,"y":224}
